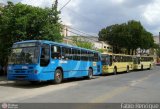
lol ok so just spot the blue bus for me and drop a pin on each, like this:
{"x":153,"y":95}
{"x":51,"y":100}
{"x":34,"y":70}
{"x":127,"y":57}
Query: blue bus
{"x":41,"y":60}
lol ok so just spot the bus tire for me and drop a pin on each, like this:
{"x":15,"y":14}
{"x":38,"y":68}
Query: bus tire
{"x":141,"y":67}
{"x":90,"y":73}
{"x":58,"y":77}
{"x":149,"y":67}
{"x":127,"y":69}
{"x":115,"y":70}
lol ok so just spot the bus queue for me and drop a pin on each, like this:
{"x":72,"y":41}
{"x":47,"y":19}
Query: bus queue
{"x":40,"y":60}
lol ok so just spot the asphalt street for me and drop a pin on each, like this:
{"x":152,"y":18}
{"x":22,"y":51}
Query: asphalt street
{"x":132,"y":87}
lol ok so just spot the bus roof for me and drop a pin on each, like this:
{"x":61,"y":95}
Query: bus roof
{"x":56,"y":43}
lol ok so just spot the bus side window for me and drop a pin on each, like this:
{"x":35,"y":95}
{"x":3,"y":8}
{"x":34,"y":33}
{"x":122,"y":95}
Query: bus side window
{"x":45,"y":55}
{"x":76,"y":54}
{"x":114,"y":59}
{"x":55,"y":52}
{"x":90,"y":54}
{"x":66,"y":53}
{"x":96,"y":57}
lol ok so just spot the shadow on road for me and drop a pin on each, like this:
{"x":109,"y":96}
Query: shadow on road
{"x":29,"y":85}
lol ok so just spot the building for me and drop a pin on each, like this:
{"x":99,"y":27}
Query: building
{"x":65,"y":30}
{"x":157,"y":39}
{"x":1,"y":6}
{"x":98,"y":45}
{"x":69,"y":35}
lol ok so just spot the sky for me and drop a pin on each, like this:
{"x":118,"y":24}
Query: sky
{"x":91,"y":16}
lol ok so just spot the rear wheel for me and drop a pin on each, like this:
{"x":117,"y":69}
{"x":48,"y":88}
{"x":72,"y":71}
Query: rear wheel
{"x":58,"y":77}
{"x":115,"y":70}
{"x":149,"y":67}
{"x":127,"y":69}
{"x":141,"y":67}
{"x":90,"y":73}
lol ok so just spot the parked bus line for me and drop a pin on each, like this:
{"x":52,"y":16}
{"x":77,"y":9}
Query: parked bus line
{"x":40,"y":60}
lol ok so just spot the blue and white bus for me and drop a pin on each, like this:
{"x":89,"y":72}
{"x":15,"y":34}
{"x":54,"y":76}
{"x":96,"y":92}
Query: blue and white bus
{"x":41,"y":60}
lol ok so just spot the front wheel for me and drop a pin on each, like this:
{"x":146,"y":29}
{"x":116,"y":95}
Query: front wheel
{"x":115,"y":70}
{"x":90,"y":73}
{"x":58,"y":76}
{"x":141,"y":67}
{"x":150,"y":67}
{"x":127,"y":69}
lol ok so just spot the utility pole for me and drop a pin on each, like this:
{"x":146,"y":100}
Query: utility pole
{"x":159,"y":38}
{"x":56,"y":4}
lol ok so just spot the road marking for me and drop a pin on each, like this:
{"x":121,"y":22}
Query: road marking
{"x":30,"y":93}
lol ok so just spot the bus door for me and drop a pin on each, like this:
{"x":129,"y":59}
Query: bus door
{"x":56,"y":56}
{"x":45,"y":58}
{"x":99,"y":64}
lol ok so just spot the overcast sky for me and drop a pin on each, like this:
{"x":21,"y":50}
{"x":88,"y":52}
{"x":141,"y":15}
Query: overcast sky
{"x":91,"y":16}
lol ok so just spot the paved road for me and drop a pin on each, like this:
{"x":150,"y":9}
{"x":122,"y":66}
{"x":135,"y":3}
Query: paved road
{"x":137,"y":87}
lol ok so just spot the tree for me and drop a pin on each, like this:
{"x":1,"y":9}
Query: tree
{"x":23,"y":22}
{"x":81,"y":43}
{"x":129,"y":36}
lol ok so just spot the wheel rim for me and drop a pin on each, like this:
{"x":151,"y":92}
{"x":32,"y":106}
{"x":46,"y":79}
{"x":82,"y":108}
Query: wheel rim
{"x":150,"y":67}
{"x":58,"y":76}
{"x":115,"y":71}
{"x":141,"y":67}
{"x":127,"y":69}
{"x":90,"y":73}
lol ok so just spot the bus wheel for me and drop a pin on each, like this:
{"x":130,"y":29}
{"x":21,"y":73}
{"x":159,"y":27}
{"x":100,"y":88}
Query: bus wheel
{"x":58,"y":76}
{"x":127,"y":69}
{"x":115,"y":70}
{"x":141,"y":67}
{"x":90,"y":73}
{"x":149,"y":67}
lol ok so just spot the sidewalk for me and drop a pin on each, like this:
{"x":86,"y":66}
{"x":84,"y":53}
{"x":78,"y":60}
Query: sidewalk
{"x":3,"y":78}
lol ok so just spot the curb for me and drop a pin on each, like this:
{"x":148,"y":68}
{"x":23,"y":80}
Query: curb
{"x":3,"y":78}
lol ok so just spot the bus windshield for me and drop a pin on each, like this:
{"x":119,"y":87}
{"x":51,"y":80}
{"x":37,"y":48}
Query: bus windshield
{"x":24,"y":55}
{"x":105,"y":60}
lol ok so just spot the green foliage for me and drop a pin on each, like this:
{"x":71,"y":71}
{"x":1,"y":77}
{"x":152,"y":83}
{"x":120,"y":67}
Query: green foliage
{"x":129,"y":36}
{"x":81,"y":43}
{"x":23,"y":22}
{"x":100,"y":50}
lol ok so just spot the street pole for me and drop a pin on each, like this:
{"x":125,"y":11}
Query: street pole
{"x":159,"y":38}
